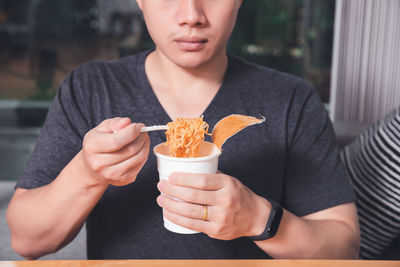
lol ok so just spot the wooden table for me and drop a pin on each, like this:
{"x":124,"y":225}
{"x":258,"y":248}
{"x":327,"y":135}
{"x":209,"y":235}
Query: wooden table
{"x":206,"y":263}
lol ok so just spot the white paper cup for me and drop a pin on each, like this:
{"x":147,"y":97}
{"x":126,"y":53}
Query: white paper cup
{"x":207,"y":162}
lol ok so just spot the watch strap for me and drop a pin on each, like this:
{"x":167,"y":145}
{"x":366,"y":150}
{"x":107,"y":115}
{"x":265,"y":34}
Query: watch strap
{"x":273,"y":222}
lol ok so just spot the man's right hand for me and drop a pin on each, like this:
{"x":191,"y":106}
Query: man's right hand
{"x":44,"y":219}
{"x":115,"y":151}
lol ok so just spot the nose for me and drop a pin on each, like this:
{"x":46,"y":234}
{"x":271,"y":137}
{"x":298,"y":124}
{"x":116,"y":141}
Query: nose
{"x":191,"y":13}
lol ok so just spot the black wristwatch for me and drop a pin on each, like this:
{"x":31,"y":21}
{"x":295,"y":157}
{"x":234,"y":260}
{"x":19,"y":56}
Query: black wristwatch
{"x":273,"y":222}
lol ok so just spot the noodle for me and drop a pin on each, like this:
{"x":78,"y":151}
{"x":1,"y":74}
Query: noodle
{"x":184,"y":137}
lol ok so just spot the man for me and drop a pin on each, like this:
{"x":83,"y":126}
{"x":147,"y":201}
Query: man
{"x":92,"y":164}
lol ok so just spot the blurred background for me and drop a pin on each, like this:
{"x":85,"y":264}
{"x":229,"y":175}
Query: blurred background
{"x":41,"y":41}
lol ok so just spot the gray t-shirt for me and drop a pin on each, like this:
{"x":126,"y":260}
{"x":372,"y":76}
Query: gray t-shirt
{"x":292,"y":157}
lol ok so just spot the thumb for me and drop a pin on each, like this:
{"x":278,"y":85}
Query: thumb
{"x":113,"y":125}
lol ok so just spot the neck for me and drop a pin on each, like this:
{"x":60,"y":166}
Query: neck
{"x":164,"y":73}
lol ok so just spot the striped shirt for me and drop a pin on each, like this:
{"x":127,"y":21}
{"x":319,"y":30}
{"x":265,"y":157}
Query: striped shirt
{"x":373,"y":165}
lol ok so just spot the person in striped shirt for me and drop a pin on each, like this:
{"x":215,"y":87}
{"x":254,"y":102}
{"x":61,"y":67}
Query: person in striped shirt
{"x":373,"y":164}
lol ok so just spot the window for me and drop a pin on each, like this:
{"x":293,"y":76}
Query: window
{"x":43,"y":40}
{"x":294,"y":36}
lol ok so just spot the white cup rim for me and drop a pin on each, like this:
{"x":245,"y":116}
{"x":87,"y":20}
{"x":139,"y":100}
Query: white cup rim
{"x":159,"y":155}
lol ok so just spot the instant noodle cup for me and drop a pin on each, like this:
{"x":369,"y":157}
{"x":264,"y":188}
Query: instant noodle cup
{"x":206,"y":162}
{"x":186,"y":151}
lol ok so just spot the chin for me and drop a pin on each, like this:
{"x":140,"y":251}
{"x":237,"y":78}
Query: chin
{"x":191,"y":60}
{"x":190,"y":65}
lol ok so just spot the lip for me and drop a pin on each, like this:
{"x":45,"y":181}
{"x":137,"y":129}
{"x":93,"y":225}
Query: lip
{"x":191,"y":43}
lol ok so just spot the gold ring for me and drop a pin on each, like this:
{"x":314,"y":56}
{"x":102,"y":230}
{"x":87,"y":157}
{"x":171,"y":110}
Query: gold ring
{"x":205,"y":213}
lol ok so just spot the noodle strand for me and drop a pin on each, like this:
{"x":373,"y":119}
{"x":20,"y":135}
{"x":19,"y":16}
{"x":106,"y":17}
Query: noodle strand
{"x":185,"y":135}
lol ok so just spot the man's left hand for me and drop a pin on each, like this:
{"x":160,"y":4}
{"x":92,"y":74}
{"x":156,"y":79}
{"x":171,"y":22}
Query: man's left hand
{"x":233,"y":210}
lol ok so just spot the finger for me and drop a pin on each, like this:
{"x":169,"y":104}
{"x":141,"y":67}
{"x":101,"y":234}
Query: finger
{"x":197,"y":225}
{"x":197,"y":180}
{"x":182,"y":208}
{"x":113,"y":124}
{"x":128,"y":134}
{"x":124,"y":153}
{"x":187,"y":194}
{"x":144,"y":155}
{"x":133,"y":164}
{"x":131,"y":175}
{"x":102,"y":142}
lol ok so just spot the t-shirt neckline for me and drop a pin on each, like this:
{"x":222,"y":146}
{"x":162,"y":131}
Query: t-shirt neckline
{"x":155,"y":105}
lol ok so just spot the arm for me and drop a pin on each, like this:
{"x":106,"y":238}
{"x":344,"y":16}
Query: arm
{"x":331,"y":233}
{"x":45,"y":219}
{"x":235,"y":211}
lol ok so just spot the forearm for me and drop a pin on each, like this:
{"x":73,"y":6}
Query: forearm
{"x":44,"y":219}
{"x":304,"y":238}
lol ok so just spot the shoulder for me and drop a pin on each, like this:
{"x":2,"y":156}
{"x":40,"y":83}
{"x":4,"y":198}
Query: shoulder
{"x":101,"y":69}
{"x":279,"y":89}
{"x":100,"y":77}
{"x":263,"y":78}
